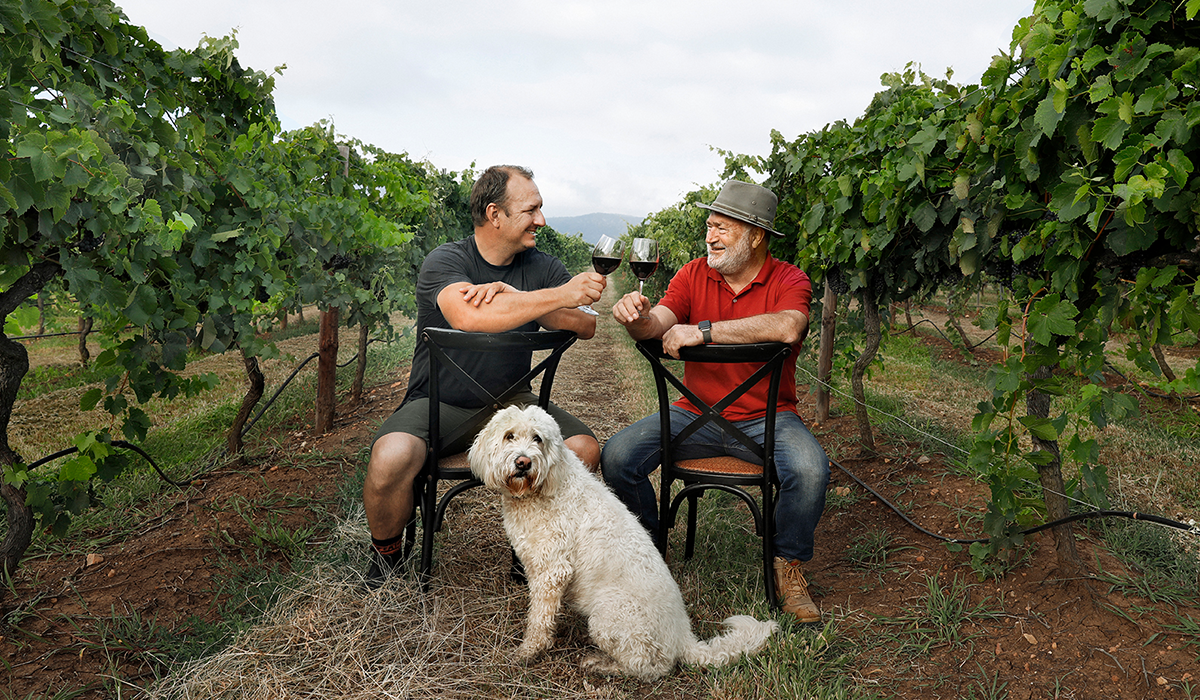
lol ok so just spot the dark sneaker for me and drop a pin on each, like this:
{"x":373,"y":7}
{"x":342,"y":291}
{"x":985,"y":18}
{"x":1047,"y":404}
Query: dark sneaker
{"x":383,"y":567}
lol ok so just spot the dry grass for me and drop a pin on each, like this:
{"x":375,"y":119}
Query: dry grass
{"x":325,"y":634}
{"x":325,"y":637}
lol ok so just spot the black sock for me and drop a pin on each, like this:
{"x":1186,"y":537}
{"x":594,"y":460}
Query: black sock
{"x":390,"y":550}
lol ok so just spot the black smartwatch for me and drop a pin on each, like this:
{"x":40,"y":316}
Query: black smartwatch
{"x":705,"y":331}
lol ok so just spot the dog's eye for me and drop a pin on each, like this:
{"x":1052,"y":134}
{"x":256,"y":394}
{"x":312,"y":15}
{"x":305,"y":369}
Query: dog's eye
{"x":537,"y":438}
{"x":508,"y":436}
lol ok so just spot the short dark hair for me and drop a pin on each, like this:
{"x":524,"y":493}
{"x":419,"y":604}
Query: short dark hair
{"x":492,"y":188}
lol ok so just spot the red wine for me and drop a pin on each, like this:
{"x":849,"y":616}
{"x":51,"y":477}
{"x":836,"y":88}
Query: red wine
{"x":605,"y":265}
{"x":643,"y":268}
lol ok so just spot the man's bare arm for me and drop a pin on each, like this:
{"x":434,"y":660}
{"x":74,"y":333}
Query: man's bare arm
{"x":507,"y":310}
{"x":584,"y":325}
{"x":782,"y":326}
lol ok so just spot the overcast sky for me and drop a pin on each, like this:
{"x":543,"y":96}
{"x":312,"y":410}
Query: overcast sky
{"x":615,"y":104}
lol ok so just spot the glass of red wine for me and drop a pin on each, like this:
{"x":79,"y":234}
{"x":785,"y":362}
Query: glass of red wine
{"x":606,"y":257}
{"x":643,"y":259}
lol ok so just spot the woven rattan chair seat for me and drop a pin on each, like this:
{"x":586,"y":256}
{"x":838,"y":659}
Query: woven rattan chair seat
{"x":718,"y":465}
{"x":456,"y":461}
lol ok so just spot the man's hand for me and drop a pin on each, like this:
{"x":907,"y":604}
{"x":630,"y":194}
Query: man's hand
{"x":477,"y":294}
{"x":583,"y":289}
{"x":681,"y":335}
{"x":641,"y":320}
{"x":631,"y":308}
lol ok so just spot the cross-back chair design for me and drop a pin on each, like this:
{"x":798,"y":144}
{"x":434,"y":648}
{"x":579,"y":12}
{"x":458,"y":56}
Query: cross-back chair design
{"x":453,"y":467}
{"x":728,"y":474}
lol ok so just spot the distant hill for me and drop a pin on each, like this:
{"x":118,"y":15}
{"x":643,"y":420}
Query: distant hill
{"x":593,"y":226}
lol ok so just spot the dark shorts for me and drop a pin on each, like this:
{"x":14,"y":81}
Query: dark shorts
{"x":413,"y":418}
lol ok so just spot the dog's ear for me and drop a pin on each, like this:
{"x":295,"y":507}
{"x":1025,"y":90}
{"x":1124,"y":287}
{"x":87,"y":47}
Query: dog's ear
{"x":485,"y":450}
{"x":554,"y":450}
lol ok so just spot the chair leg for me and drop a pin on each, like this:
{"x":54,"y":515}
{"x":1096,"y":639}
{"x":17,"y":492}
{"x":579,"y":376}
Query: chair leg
{"x":664,"y":520}
{"x":690,"y":545}
{"x":768,"y":548}
{"x":428,"y":518}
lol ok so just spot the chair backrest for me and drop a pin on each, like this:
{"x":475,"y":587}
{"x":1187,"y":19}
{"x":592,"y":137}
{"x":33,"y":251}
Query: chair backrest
{"x":439,"y":340}
{"x":769,"y":357}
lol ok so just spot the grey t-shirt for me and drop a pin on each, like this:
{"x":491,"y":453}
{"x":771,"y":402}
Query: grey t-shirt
{"x":460,"y":261}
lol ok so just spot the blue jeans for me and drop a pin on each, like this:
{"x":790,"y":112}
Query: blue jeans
{"x":630,"y":456}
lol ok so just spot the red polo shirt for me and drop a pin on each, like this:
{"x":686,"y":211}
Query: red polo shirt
{"x":698,"y":293}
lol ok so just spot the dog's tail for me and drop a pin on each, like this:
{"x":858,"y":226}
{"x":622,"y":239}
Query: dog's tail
{"x":743,"y":635}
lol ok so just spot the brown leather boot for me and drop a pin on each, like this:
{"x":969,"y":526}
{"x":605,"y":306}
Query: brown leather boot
{"x":791,"y":588}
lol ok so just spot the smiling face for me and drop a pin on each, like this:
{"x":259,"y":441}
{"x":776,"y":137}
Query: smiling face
{"x":519,"y":218}
{"x":730,"y":243}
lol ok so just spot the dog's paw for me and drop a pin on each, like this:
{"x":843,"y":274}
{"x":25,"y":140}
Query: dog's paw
{"x":527,"y":652}
{"x":600,"y":664}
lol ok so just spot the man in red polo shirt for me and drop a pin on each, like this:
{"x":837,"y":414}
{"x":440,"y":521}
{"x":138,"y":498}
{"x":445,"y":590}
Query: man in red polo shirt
{"x":737,"y":294}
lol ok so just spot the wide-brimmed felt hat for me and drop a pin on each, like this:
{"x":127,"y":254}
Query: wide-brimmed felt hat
{"x":747,"y":202}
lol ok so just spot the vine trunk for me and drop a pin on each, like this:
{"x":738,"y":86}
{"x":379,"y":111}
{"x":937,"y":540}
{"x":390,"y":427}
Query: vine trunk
{"x":825,"y":354}
{"x":257,"y":383}
{"x":1053,"y":490}
{"x":871,"y":328}
{"x":14,"y":364}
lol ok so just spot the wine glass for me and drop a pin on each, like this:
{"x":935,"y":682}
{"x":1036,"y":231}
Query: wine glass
{"x":643,"y":259}
{"x":606,"y":257}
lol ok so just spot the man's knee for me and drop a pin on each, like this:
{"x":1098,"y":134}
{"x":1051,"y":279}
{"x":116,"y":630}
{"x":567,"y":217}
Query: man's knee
{"x":587,"y":448}
{"x":797,"y":450}
{"x":395,"y":458}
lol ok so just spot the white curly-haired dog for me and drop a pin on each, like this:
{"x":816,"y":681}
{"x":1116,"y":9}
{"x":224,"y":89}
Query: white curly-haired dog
{"x":580,"y":544}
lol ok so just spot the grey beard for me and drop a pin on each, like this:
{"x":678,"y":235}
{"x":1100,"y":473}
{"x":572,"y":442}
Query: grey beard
{"x":733,"y":260}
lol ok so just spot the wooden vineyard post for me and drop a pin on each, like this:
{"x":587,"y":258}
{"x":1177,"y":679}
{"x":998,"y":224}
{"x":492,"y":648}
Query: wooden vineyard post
{"x":327,"y":352}
{"x":825,"y":353}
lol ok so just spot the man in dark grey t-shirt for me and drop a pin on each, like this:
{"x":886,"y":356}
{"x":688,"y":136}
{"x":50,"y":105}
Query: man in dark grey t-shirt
{"x":493,"y":281}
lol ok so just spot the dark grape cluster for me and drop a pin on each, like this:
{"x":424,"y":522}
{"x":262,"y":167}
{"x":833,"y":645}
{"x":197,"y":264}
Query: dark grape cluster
{"x":1029,"y":267}
{"x":90,"y":242}
{"x":878,"y":283}
{"x":339,"y":262}
{"x":836,"y":279}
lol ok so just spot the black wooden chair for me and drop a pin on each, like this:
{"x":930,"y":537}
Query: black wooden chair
{"x":440,"y":466}
{"x":728,"y":474}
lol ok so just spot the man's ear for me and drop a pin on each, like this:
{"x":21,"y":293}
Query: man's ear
{"x":493,"y":214}
{"x":762,"y":236}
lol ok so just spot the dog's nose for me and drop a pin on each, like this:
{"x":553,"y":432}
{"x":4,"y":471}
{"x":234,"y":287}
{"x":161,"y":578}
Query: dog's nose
{"x":523,"y":464}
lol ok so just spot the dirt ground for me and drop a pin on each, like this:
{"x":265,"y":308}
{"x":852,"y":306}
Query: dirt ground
{"x":1053,"y":638}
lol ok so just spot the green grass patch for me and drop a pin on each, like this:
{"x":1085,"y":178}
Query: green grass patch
{"x":1164,"y":572}
{"x":47,"y":378}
